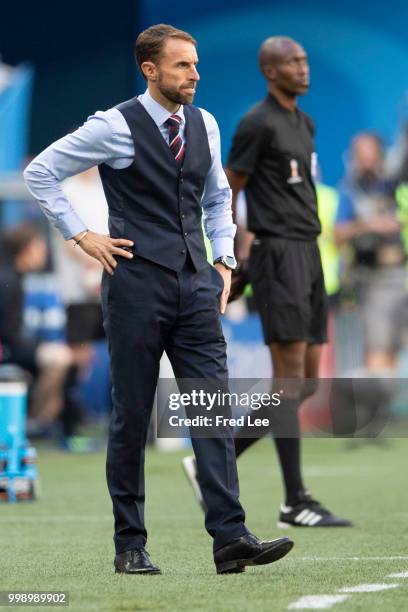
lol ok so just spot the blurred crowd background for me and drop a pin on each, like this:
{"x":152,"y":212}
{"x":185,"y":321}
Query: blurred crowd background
{"x":55,"y":73}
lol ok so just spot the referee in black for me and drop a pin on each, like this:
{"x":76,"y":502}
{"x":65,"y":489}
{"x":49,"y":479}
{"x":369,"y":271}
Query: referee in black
{"x":272,"y":159}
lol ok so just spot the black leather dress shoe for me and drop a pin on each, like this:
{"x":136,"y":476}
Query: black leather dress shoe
{"x":135,"y":562}
{"x":249,"y":550}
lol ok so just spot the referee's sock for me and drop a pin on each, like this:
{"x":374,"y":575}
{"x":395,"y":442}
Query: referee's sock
{"x":288,"y":450}
{"x":286,"y":432}
{"x":289,"y":459}
{"x":285,"y":428}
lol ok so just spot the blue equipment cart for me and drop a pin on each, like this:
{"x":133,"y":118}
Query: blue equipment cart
{"x":18,"y":461}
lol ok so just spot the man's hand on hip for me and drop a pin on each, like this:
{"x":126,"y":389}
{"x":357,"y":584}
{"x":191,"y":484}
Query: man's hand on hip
{"x":226,"y":275}
{"x":103,"y":248}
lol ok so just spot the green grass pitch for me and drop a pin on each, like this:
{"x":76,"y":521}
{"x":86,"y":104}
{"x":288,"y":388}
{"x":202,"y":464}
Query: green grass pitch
{"x":63,"y":541}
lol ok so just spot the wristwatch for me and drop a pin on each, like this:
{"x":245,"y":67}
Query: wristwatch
{"x":228,"y":261}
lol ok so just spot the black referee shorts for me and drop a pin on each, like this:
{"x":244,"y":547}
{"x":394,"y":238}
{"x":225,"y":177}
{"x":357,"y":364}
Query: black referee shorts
{"x":288,"y":286}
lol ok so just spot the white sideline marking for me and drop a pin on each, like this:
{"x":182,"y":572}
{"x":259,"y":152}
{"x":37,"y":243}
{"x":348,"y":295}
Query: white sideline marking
{"x":320,"y":602}
{"x":324,"y":559}
{"x":368,"y":588}
{"x":317,"y":602}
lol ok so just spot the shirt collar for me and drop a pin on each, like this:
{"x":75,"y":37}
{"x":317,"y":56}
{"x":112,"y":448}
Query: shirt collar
{"x":158,"y":113}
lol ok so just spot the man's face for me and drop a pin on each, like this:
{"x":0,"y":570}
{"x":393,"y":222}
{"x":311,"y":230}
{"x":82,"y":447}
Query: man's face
{"x":176,"y":72}
{"x":292,"y":71}
{"x":33,"y":257}
{"x":367,"y":155}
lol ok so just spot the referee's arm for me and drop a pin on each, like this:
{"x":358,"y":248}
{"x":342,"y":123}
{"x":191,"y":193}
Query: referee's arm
{"x":243,"y":238}
{"x":242,"y":161}
{"x":237,"y":182}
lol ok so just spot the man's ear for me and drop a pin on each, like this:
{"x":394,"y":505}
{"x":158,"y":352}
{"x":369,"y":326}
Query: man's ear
{"x":149,"y":70}
{"x":269,"y":72}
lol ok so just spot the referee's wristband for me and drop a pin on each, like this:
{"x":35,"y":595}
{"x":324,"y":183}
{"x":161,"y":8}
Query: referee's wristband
{"x":82,"y":236}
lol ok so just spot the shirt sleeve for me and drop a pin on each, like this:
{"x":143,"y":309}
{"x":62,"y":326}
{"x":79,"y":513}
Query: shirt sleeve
{"x":99,"y":140}
{"x":216,"y":200}
{"x":345,"y":210}
{"x":246,"y":146}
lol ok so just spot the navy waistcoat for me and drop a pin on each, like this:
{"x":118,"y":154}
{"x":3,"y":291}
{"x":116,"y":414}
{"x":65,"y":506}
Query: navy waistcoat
{"x":154,"y":202}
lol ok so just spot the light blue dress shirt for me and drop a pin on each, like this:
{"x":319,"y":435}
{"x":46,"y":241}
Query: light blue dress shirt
{"x":106,"y":138}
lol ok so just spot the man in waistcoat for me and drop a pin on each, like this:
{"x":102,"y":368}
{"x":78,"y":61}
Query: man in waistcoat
{"x":160,"y":165}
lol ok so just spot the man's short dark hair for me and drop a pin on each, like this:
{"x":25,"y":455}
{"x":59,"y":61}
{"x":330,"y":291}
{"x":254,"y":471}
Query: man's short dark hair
{"x":14,"y":241}
{"x":149,"y":44}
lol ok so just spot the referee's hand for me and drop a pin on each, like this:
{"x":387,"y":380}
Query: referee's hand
{"x":226,"y":275}
{"x":103,"y":248}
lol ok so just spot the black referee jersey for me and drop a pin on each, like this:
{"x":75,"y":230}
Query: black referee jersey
{"x":275,"y":147}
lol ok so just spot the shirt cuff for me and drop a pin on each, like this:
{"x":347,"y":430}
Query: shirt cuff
{"x":70,"y":224}
{"x":222,"y":246}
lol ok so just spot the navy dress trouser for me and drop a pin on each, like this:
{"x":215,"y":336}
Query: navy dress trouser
{"x":149,"y":309}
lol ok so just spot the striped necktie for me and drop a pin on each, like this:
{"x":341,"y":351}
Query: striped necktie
{"x":175,"y":143}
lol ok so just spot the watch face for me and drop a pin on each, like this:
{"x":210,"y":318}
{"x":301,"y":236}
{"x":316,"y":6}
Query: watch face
{"x":230,"y":262}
